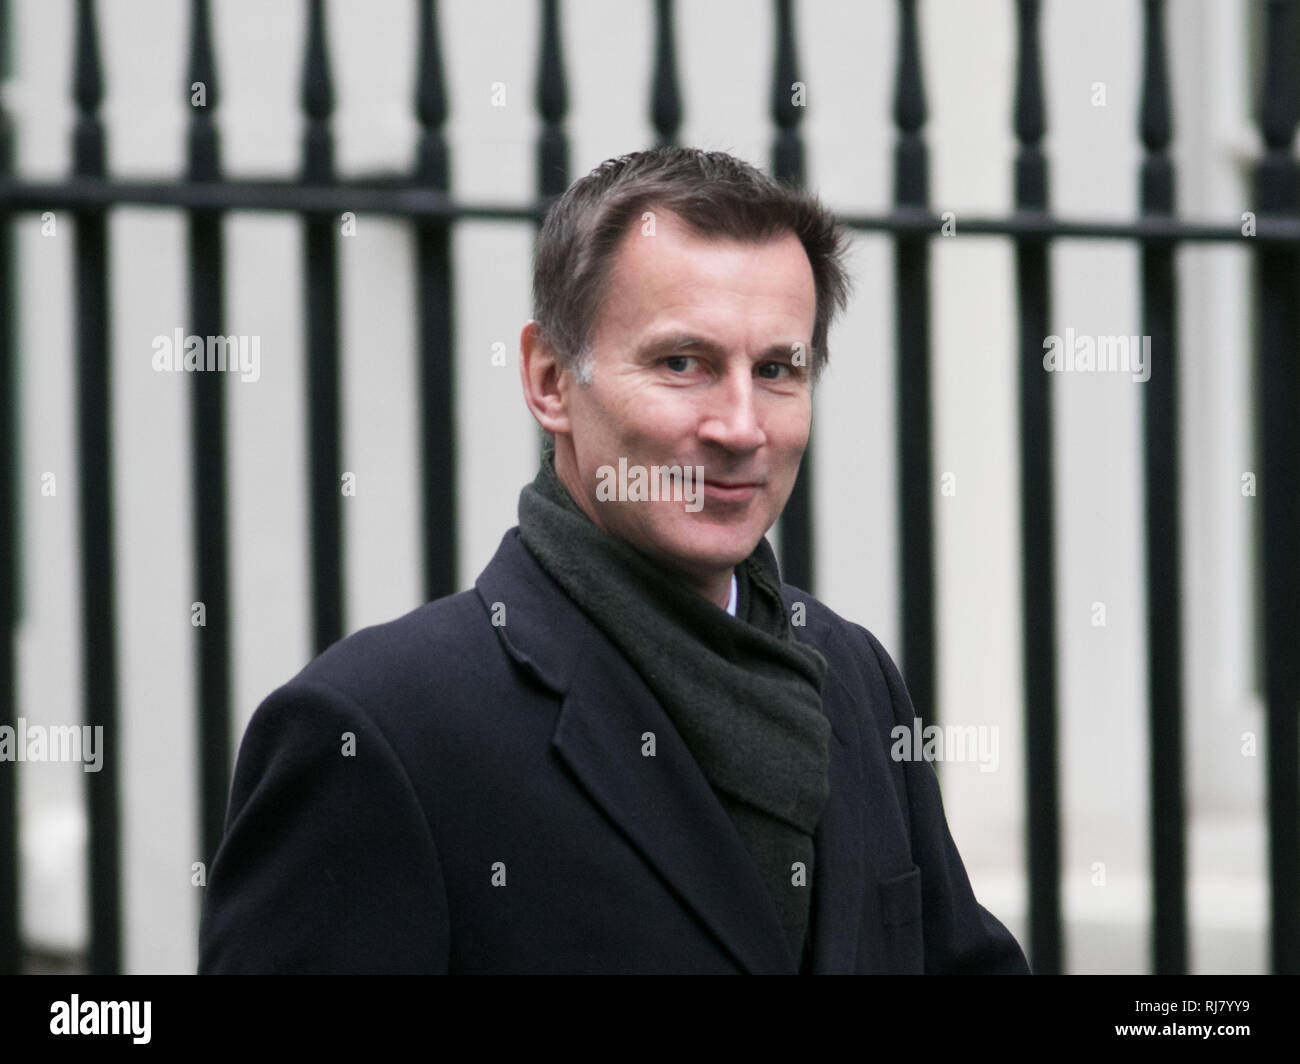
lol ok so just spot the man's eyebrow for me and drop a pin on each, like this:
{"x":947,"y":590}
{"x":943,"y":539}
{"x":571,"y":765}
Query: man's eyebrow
{"x":671,"y":342}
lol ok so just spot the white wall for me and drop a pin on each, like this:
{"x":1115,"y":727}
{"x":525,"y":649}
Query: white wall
{"x":847,"y":52}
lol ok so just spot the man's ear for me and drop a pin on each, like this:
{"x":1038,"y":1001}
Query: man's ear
{"x":544,"y":381}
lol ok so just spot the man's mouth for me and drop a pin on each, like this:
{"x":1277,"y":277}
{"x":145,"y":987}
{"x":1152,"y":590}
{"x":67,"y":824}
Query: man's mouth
{"x":731,"y":490}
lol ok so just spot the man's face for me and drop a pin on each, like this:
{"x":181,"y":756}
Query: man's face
{"x":701,"y":357}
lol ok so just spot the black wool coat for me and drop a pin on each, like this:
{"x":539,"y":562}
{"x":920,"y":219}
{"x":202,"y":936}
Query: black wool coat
{"x":467,"y":789}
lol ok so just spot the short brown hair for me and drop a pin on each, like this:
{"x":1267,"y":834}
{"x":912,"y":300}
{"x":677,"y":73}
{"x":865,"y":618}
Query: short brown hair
{"x":714,"y":193}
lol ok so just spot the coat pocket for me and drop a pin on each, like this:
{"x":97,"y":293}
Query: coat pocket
{"x":900,"y":912}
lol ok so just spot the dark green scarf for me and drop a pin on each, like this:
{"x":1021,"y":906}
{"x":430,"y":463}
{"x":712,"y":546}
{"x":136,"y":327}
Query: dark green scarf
{"x":744,"y":694}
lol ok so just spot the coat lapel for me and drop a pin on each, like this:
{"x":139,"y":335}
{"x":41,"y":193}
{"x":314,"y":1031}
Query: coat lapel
{"x":663,"y":804}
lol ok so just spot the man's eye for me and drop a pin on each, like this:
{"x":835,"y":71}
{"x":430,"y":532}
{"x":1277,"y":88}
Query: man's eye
{"x":775,"y":365}
{"x":669,"y":362}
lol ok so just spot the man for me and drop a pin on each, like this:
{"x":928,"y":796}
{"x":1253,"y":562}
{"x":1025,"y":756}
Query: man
{"x":631,"y":748}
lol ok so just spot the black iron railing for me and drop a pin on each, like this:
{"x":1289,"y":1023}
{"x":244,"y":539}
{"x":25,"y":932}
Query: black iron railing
{"x":424,"y":197}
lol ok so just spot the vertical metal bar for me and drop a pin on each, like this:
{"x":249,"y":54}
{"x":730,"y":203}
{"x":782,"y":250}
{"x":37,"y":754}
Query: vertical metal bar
{"x":552,"y":100}
{"x":321,"y":271}
{"x":208,"y":440}
{"x":798,"y":564}
{"x":1037,"y":513}
{"x":665,"y":94}
{"x":912,"y":308}
{"x":436,"y":326}
{"x":95,"y":467}
{"x":1277,"y":389}
{"x":10,"y":946}
{"x":552,"y":105}
{"x":1163,"y":536}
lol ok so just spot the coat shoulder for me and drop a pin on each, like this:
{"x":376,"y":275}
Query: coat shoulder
{"x":436,"y":647}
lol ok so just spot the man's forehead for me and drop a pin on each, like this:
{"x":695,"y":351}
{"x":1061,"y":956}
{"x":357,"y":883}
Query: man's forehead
{"x":659,"y":304}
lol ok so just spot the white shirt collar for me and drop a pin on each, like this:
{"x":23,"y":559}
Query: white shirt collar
{"x":731,"y":606}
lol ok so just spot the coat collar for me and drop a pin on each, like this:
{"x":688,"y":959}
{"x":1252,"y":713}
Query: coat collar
{"x":600,"y":738}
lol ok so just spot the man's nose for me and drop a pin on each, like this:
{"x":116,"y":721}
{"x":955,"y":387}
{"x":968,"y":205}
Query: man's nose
{"x":733,"y":420}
